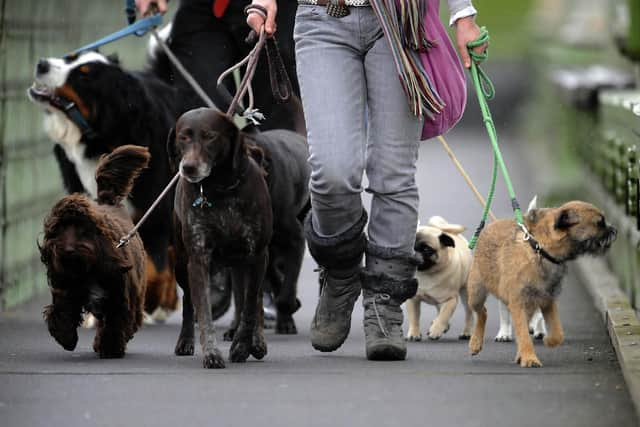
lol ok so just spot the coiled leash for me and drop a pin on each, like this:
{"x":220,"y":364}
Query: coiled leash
{"x":486,"y":91}
{"x":245,"y":85}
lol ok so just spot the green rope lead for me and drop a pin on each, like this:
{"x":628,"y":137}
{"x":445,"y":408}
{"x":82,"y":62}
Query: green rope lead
{"x":486,"y":91}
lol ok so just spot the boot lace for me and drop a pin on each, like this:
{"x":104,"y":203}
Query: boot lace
{"x":383,"y":298}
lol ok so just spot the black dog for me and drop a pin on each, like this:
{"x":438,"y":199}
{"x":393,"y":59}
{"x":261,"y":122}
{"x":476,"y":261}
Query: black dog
{"x":86,"y":270}
{"x":223,"y":209}
{"x":285,"y":161}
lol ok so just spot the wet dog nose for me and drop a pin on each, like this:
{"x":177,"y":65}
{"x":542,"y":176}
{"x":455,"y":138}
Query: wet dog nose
{"x":189,"y":168}
{"x":43,"y":66}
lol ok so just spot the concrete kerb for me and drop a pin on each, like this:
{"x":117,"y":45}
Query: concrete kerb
{"x":620,"y":318}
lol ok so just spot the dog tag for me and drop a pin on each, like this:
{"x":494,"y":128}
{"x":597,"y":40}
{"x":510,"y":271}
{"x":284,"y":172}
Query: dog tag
{"x":337,"y":10}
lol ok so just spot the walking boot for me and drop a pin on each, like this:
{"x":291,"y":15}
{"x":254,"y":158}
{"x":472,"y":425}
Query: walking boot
{"x":339,"y":258}
{"x":387,"y":281}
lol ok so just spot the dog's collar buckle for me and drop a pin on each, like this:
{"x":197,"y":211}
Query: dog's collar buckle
{"x":201,"y":201}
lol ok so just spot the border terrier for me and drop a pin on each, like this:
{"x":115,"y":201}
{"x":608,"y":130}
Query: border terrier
{"x":524,"y":269}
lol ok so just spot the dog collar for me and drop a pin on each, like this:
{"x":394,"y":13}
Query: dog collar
{"x":540,"y":250}
{"x":73,"y":113}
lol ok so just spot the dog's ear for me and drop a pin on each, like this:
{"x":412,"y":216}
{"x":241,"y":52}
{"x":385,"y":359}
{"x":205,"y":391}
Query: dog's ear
{"x":446,"y":241}
{"x":566,"y":218}
{"x":172,"y":150}
{"x":534,"y":215}
{"x":533,"y":204}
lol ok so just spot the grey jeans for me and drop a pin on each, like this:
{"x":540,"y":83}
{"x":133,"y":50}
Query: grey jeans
{"x":358,"y":120}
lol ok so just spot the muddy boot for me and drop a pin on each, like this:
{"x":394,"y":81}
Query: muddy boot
{"x":339,"y":258}
{"x":387,"y":281}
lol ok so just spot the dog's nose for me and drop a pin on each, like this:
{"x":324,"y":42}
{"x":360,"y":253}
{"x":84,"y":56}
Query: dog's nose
{"x":43,"y":66}
{"x":189,"y":168}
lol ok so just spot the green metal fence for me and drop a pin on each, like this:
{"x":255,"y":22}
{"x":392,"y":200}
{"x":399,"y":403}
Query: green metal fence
{"x":29,"y":179}
{"x":589,"y":119}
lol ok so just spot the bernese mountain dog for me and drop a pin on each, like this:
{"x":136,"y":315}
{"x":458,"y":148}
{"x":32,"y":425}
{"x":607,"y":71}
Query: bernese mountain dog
{"x":92,"y":106}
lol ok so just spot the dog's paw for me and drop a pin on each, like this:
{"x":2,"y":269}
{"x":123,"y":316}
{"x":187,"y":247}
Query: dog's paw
{"x":229,"y":334}
{"x":285,"y":325}
{"x":464,"y":336}
{"x":110,"y":353}
{"x":475,"y":345}
{"x":239,"y":351}
{"x":258,"y":346}
{"x":184,"y":347}
{"x":213,"y":360}
{"x":504,"y":337}
{"x":437,"y":330}
{"x":551,"y":341}
{"x":529,"y":361}
{"x":412,"y":337}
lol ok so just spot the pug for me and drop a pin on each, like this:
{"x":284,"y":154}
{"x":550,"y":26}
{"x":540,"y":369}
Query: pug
{"x":523,"y":267}
{"x":442,"y":277}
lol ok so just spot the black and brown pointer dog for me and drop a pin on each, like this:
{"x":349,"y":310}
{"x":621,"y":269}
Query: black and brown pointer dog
{"x":224,"y":218}
{"x":85,"y":269}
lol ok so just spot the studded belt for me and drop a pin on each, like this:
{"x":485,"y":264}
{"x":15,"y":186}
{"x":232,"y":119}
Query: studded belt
{"x":337,"y":8}
{"x":354,"y":3}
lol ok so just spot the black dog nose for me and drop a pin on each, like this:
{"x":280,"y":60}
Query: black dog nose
{"x":43,"y":66}
{"x":189,"y":168}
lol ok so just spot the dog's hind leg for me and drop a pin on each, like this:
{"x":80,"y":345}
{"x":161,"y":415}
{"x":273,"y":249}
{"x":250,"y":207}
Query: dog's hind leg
{"x":505,"y":333}
{"x":551,"y":317}
{"x":468,"y":315}
{"x":536,"y":324}
{"x":477,"y":296}
{"x":184,"y":345}
{"x":526,"y":356}
{"x":238,"y":304}
{"x":441,"y":323}
{"x":249,"y":338}
{"x":199,"y":277}
{"x":289,"y":258}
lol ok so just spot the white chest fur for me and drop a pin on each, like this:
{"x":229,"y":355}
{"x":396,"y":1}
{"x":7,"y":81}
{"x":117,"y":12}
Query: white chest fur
{"x":66,"y":133}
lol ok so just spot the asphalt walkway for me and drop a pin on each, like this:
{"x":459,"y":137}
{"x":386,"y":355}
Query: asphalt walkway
{"x":439,"y":385}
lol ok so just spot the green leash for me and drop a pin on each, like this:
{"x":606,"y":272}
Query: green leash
{"x":486,"y":91}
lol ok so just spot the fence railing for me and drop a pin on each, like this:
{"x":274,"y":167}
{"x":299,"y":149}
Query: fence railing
{"x":29,"y":178}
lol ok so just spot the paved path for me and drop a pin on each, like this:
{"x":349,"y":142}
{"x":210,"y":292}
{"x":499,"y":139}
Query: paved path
{"x":439,"y":385}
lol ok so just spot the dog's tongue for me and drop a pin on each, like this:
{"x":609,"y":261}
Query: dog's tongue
{"x":40,"y":91}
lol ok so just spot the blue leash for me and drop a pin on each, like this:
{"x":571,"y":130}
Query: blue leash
{"x":139,"y":28}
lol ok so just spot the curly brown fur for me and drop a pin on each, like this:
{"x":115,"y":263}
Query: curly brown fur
{"x":506,"y":266}
{"x":85,"y":270}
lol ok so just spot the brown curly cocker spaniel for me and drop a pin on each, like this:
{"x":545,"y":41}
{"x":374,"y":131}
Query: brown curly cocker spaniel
{"x":85,"y":269}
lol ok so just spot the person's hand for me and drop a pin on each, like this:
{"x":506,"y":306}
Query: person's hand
{"x":255,"y":20}
{"x":466,"y":31}
{"x":144,"y":6}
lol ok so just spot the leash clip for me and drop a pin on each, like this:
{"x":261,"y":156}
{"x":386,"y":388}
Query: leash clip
{"x":123,"y":242}
{"x":527,"y":235}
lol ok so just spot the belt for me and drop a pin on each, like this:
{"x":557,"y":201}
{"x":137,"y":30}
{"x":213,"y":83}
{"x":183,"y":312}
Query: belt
{"x":350,"y":3}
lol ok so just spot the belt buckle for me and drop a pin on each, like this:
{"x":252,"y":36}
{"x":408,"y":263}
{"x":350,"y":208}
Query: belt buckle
{"x":337,"y":10}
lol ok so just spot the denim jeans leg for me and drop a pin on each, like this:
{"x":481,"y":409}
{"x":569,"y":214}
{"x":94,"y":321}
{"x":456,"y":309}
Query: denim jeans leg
{"x":391,"y":155}
{"x":332,"y":85}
